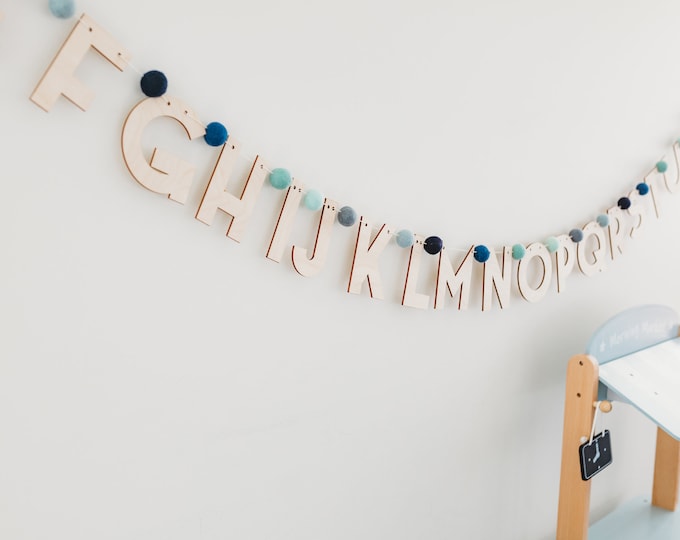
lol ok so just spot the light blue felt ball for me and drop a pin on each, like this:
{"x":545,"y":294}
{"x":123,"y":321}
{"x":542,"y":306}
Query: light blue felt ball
{"x":347,"y":216}
{"x":603,"y":220}
{"x":64,"y":9}
{"x":405,"y":238}
{"x":313,"y":200}
{"x":518,"y":252}
{"x":552,"y":244}
{"x":662,"y":166}
{"x":280,"y":178}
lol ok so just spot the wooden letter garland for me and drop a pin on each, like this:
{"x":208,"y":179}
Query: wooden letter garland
{"x":216,"y":196}
{"x":410,"y":296}
{"x":167,"y":174}
{"x":311,"y":266}
{"x":497,"y":278}
{"x":529,"y":293}
{"x":457,"y":282}
{"x":565,"y":257}
{"x":59,"y":79}
{"x":365,"y":260}
{"x":284,"y":224}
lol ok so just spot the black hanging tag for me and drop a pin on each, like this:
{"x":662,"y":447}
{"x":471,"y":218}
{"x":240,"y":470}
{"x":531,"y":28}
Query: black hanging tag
{"x":595,"y":455}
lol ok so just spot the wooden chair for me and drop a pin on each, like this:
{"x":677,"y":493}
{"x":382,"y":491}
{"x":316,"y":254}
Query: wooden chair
{"x":635,"y":358}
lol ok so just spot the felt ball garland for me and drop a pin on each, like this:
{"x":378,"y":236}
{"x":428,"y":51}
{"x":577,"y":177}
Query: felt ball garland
{"x":313,"y":200}
{"x":280,"y":178}
{"x":481,"y":253}
{"x":215,"y":134}
{"x":433,"y":245}
{"x":552,"y":244}
{"x":576,"y":235}
{"x":154,"y":83}
{"x":405,"y":238}
{"x":642,"y":188}
{"x":347,"y":216}
{"x":64,"y":9}
{"x":624,"y":203}
{"x":518,"y":252}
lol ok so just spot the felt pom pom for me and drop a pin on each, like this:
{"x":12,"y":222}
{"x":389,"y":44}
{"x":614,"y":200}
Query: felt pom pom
{"x":518,"y":252}
{"x":215,"y":134}
{"x":433,"y":245}
{"x":576,"y":235}
{"x":662,"y":166}
{"x":64,"y":9}
{"x":552,"y":244}
{"x":154,"y":83}
{"x":280,"y":178}
{"x":313,"y":200}
{"x":347,"y":216}
{"x":603,"y":220}
{"x":405,"y":238}
{"x":624,"y":203}
{"x":643,"y":188}
{"x":481,"y":253}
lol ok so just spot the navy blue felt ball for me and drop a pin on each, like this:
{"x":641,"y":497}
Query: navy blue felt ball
{"x":433,"y":245}
{"x":482,"y":253}
{"x":347,"y":216}
{"x":624,"y":203}
{"x":154,"y":83}
{"x":642,"y":188}
{"x":576,"y":235}
{"x":215,"y":134}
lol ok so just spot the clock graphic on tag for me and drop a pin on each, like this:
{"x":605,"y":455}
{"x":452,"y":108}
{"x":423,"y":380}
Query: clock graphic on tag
{"x":595,"y":455}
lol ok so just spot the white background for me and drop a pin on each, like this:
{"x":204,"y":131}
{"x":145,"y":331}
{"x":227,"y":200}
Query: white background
{"x":161,"y":381}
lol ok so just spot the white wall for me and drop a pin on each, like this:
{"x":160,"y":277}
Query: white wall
{"x":162,"y":381}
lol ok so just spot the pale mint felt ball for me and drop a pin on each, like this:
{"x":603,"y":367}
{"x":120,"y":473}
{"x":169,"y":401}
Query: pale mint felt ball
{"x":64,"y":9}
{"x":662,"y":166}
{"x":603,"y":220}
{"x":405,"y":238}
{"x":280,"y":178}
{"x":313,"y":200}
{"x":552,"y":244}
{"x":518,"y":252}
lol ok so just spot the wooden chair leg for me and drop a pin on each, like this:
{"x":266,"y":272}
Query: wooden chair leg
{"x":581,"y":394}
{"x":666,"y":471}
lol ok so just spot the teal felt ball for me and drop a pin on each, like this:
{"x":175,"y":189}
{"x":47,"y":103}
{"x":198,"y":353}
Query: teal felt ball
{"x":642,"y":188}
{"x":481,"y":253}
{"x":313,"y":200}
{"x":215,"y":134}
{"x":603,"y":220}
{"x":552,"y":244}
{"x":64,"y":9}
{"x":347,"y":216}
{"x":662,"y":166}
{"x":518,"y":252}
{"x":405,"y":238}
{"x":280,"y":178}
